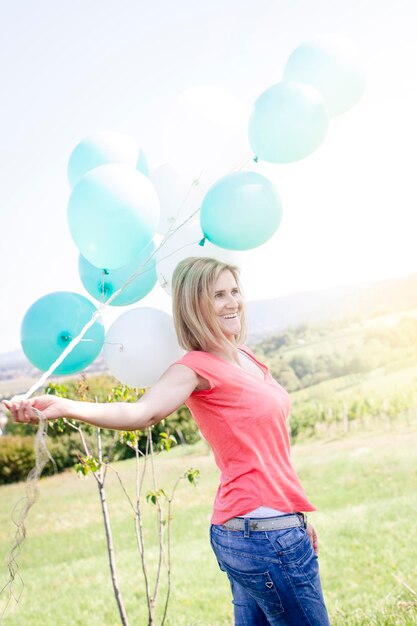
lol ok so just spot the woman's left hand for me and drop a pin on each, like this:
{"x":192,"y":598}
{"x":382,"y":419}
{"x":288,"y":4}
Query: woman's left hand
{"x":313,"y":537}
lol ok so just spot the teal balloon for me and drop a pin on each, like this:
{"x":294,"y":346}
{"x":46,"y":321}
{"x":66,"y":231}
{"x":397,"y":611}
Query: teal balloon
{"x":288,"y":122}
{"x":332,"y":65}
{"x":103,"y":148}
{"x":51,"y":323}
{"x":103,"y":283}
{"x":241,"y":211}
{"x":113,"y":213}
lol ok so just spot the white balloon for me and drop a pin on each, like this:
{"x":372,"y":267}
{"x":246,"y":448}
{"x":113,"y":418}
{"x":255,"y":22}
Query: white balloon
{"x":179,"y":196}
{"x":182,"y":244}
{"x":140,"y":345}
{"x":206,"y":134}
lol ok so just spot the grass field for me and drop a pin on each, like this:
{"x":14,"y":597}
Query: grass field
{"x":364,"y":486}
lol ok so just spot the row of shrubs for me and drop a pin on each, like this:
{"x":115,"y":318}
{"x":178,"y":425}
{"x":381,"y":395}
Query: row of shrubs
{"x":17,"y":446}
{"x":17,"y":451}
{"x":17,"y":455}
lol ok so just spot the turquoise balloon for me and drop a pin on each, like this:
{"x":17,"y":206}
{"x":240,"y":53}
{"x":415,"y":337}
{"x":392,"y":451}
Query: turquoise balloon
{"x":113,"y":213}
{"x":241,"y":211}
{"x":49,"y":326}
{"x":288,"y":122}
{"x":332,"y":65}
{"x":102,"y":283}
{"x":103,"y":148}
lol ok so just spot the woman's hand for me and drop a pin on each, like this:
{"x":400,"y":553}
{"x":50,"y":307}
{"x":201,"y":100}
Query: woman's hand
{"x":26,"y":411}
{"x":313,"y":537}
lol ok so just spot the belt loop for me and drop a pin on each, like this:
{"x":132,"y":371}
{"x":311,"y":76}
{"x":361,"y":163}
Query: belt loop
{"x":247,"y":531}
{"x":304,"y":518}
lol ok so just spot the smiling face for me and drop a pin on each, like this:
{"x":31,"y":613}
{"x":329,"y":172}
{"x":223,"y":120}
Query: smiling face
{"x":228,"y":304}
{"x":208,"y":304}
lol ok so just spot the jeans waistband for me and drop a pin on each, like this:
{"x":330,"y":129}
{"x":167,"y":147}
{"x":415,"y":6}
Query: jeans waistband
{"x":266,"y":523}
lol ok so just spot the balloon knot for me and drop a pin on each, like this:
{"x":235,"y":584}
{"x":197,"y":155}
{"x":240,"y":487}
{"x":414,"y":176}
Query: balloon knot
{"x":202,"y":242}
{"x":106,"y":272}
{"x":256,"y":159}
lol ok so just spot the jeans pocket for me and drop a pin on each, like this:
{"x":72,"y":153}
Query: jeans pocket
{"x":260,"y":586}
{"x":294,"y":545}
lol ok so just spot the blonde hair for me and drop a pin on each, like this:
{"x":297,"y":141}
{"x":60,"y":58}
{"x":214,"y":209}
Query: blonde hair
{"x":195,"y":319}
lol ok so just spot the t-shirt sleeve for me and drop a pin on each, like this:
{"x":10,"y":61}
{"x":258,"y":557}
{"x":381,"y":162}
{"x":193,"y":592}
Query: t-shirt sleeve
{"x":200,"y":365}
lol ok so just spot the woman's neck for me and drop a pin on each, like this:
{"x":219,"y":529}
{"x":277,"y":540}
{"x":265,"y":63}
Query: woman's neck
{"x":227,"y":351}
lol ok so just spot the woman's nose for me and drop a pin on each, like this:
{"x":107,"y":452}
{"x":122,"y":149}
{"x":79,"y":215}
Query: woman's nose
{"x":232,"y":301}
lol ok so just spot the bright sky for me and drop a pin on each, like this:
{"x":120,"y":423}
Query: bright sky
{"x":74,"y":67}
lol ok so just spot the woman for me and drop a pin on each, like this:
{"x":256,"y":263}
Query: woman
{"x":258,"y":534}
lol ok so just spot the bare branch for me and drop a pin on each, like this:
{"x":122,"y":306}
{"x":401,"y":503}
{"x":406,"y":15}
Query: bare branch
{"x":140,"y":475}
{"x":160,"y":523}
{"x":110,"y":552}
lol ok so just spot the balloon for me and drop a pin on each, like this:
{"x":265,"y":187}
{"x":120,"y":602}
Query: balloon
{"x":205,"y":133}
{"x":289,"y":121}
{"x":113,"y":213}
{"x":184,"y":243}
{"x":241,"y":211}
{"x":332,"y":66}
{"x":179,"y":198}
{"x":102,"y":283}
{"x":140,"y":345}
{"x":102,"y":148}
{"x":51,"y":323}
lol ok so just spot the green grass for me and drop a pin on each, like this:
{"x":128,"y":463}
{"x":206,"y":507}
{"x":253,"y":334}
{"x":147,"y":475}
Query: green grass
{"x":364,"y":486}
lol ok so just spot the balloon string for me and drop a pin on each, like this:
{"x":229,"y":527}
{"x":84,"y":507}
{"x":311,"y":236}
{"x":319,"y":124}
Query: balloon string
{"x":42,"y":454}
{"x":246,"y":159}
{"x":76,"y":340}
{"x":194,"y":184}
{"x":21,"y":510}
{"x":171,"y":231}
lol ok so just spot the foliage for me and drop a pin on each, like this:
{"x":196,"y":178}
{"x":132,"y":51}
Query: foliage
{"x":17,"y":455}
{"x":307,"y":417}
{"x":177,"y":428}
{"x":88,"y":463}
{"x":179,"y":425}
{"x":307,"y":355}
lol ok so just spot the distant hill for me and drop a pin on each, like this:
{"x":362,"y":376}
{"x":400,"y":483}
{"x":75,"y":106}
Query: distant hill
{"x":266,"y":317}
{"x":17,"y":374}
{"x":13,"y":364}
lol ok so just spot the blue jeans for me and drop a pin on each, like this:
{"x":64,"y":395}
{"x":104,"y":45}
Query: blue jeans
{"x":274,"y":576}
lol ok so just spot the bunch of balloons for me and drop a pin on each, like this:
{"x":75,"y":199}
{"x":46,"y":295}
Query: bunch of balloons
{"x":117,"y":206}
{"x":113,"y":215}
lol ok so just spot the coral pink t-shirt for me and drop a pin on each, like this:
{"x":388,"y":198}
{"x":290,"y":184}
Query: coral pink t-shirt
{"x":243,"y":418}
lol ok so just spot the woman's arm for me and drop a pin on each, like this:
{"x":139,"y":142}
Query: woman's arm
{"x":167,"y":395}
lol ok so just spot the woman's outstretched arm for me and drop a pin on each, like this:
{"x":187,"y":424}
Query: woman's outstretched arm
{"x":167,"y":395}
